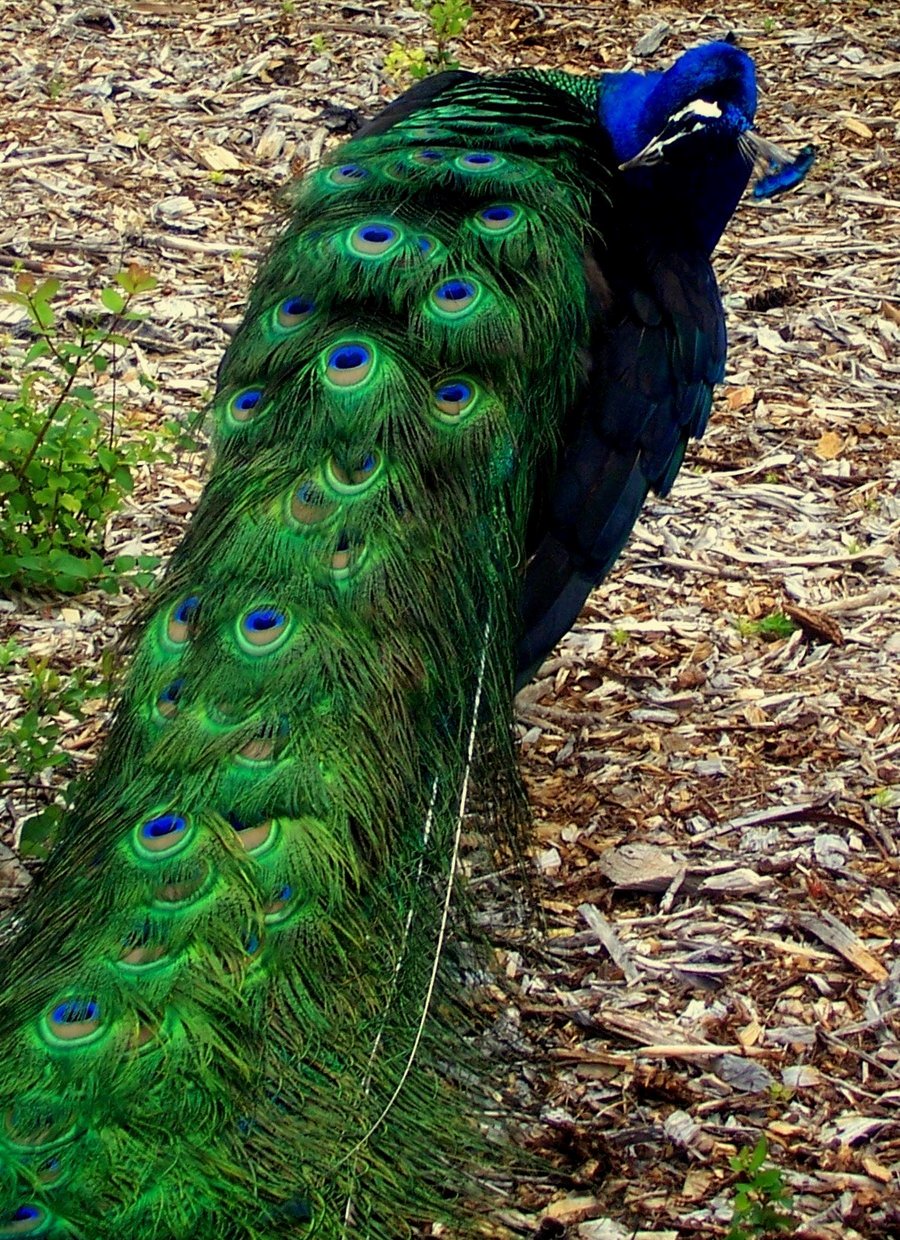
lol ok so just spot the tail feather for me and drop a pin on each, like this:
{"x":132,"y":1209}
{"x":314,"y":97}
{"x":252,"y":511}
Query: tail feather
{"x":231,"y":957}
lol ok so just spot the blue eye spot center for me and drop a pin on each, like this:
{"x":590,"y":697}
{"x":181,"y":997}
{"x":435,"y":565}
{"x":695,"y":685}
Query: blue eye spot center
{"x":377,"y":234}
{"x":454,"y":393}
{"x":352,"y":171}
{"x":172,"y":692}
{"x":498,"y":215}
{"x":348,"y":357}
{"x":286,"y":892}
{"x":73,"y":1011}
{"x":163,"y":825}
{"x":186,"y":611}
{"x":480,"y":158}
{"x":295,"y":306}
{"x":245,"y":401}
{"x":430,"y":155}
{"x":26,"y":1214}
{"x":456,"y":290}
{"x":265,"y":619}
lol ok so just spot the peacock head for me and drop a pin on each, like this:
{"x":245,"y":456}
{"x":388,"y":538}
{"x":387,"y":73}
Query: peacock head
{"x":697,"y":111}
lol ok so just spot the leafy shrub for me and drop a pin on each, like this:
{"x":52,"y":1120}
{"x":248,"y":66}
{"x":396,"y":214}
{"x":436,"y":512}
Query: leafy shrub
{"x":447,"y":20}
{"x":68,"y":467}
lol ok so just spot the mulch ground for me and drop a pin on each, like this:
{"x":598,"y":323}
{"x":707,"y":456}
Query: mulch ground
{"x":716,"y":805}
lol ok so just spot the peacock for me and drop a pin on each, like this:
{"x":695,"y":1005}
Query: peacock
{"x":488,"y":329}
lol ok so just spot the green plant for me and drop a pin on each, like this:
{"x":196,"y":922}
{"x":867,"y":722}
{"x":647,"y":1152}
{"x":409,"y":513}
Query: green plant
{"x":70,"y":465}
{"x":773,"y":627}
{"x":48,"y":700}
{"x":620,"y":637}
{"x":447,"y":20}
{"x":760,"y":1196}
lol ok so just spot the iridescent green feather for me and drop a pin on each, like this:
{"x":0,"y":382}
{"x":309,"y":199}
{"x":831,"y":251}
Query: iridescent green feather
{"x":216,"y":990}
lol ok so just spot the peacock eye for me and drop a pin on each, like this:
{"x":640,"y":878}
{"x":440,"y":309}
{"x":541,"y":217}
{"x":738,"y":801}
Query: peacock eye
{"x":182,"y":619}
{"x":26,"y":1220}
{"x":281,"y":905}
{"x":268,"y":744}
{"x":164,"y":833}
{"x":349,"y":364}
{"x":499,"y":218}
{"x":374,"y":240}
{"x":258,"y":839}
{"x":347,"y":556}
{"x":347,"y":174}
{"x":429,"y":156}
{"x":167,"y":701}
{"x":187,"y":891}
{"x":453,"y":296}
{"x":454,"y":398}
{"x":307,"y":504}
{"x":75,"y":1019}
{"x":263,"y":629}
{"x":355,"y":478}
{"x":244,"y":405}
{"x":293,"y":311}
{"x":477,"y":161}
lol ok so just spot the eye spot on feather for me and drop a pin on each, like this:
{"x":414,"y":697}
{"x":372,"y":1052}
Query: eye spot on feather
{"x":356,"y":478}
{"x":455,"y":296}
{"x":429,"y":156}
{"x":293,"y":311}
{"x":164,"y":833}
{"x":308,"y":505}
{"x":168,"y":699}
{"x":27,"y":1220}
{"x":73,"y":1020}
{"x":349,"y":364}
{"x":347,"y":174}
{"x":183,"y":619}
{"x":259,"y":839}
{"x":263,"y":629}
{"x":252,"y":944}
{"x":499,"y":218}
{"x":478,"y":161}
{"x":140,"y":959}
{"x":243,"y":406}
{"x":454,"y":398}
{"x":186,"y":892}
{"x":36,"y":1122}
{"x":374,"y":240}
{"x":347,"y":556}
{"x":281,"y":906}
{"x":268,"y":744}
{"x":50,"y":1171}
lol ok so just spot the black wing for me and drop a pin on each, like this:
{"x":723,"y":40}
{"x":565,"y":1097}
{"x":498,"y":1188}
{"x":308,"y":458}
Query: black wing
{"x":657,"y":351}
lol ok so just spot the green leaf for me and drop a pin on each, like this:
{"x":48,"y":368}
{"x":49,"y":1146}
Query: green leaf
{"x":63,"y":563}
{"x":113,"y":300}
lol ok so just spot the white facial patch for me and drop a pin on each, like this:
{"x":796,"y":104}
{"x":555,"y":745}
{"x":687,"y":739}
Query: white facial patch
{"x":701,"y":108}
{"x":693,"y":117}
